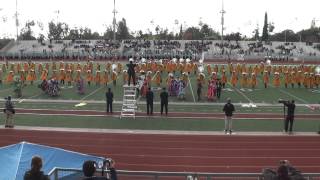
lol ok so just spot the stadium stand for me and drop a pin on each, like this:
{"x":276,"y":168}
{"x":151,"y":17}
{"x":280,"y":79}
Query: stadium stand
{"x":105,"y":49}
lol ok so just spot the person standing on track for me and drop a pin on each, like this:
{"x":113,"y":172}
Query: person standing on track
{"x":9,"y":111}
{"x":290,"y":116}
{"x":109,"y":99}
{"x":164,"y":100}
{"x":149,"y":98}
{"x":228,"y":109}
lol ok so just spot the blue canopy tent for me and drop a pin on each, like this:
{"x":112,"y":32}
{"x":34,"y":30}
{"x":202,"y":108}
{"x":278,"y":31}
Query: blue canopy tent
{"x":16,"y":159}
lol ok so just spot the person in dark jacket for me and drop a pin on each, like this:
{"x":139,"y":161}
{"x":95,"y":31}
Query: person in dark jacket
{"x":35,"y":172}
{"x":164,"y":100}
{"x":290,"y":116}
{"x":228,"y":109}
{"x":131,"y":73}
{"x":109,"y":99}
{"x":199,"y":89}
{"x":9,"y":111}
{"x":149,"y":98}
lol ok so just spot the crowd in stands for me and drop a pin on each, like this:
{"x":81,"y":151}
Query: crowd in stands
{"x":167,"y":45}
{"x":197,"y":47}
{"x":136,"y":45}
{"x":108,"y":49}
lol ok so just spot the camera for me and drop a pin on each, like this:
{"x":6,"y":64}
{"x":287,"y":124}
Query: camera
{"x":282,"y":101}
{"x":107,"y":163}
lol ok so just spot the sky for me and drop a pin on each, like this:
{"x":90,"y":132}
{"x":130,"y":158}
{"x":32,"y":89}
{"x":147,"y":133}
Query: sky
{"x":241,"y":15}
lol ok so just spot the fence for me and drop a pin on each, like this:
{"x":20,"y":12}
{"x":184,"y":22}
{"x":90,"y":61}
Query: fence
{"x":66,"y":174}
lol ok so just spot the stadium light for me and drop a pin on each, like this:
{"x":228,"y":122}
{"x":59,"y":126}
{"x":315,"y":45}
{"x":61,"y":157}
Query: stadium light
{"x":222,"y":21}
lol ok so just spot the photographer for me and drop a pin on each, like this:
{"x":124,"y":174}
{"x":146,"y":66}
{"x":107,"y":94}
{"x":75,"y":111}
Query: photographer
{"x":285,"y":171}
{"x":89,"y":170}
{"x":290,"y":115}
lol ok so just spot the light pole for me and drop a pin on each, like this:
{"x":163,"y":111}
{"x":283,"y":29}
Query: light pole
{"x":222,"y":21}
{"x":114,"y":20}
{"x":17,"y":21}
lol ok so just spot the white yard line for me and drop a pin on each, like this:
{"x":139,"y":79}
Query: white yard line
{"x":20,"y":101}
{"x":95,"y":91}
{"x":194,"y":100}
{"x":4,"y":90}
{"x":289,"y":94}
{"x":246,"y":97}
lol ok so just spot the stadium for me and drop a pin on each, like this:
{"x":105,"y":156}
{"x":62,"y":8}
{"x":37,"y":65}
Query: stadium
{"x":54,"y":93}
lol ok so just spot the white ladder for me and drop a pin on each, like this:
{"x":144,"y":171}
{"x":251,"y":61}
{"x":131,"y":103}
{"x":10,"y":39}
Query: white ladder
{"x":129,"y":105}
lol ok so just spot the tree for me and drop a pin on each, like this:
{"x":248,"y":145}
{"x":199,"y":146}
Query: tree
{"x":265,"y":35}
{"x":58,"y":31}
{"x":271,"y":27}
{"x":192,"y":33}
{"x":208,"y":33}
{"x":73,"y":34}
{"x":122,"y":30}
{"x":233,"y":37}
{"x":109,"y":33}
{"x":26,"y":32}
{"x":256,"y":34}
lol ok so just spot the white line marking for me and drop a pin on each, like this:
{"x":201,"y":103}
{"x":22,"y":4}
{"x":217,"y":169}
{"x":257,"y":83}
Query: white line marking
{"x":169,"y":117}
{"x":4,"y":90}
{"x":246,"y":97}
{"x":194,"y":100}
{"x":289,"y":94}
{"x":91,"y":93}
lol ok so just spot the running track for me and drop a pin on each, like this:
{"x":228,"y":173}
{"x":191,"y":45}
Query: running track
{"x":193,"y":153}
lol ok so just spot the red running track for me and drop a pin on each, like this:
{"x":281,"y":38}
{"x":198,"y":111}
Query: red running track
{"x":193,"y":153}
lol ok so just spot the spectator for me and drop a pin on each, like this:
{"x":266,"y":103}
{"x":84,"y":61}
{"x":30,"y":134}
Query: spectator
{"x":35,"y":172}
{"x":149,"y":98}
{"x":89,"y":170}
{"x":164,"y":100}
{"x":9,"y":111}
{"x":284,"y":172}
{"x":109,"y":99}
{"x":228,"y":109}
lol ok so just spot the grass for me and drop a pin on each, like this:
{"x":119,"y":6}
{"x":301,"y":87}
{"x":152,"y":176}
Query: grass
{"x":97,"y":93}
{"x":160,"y":123}
{"x":258,"y":95}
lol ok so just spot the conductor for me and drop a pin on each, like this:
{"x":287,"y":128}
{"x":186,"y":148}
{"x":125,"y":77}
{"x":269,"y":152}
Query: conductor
{"x":288,"y":123}
{"x":131,"y":72}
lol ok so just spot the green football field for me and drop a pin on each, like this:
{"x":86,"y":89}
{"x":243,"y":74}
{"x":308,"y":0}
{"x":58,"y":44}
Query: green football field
{"x":266,"y":101}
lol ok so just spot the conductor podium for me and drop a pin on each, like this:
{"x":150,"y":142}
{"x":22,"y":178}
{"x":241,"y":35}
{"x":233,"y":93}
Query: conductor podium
{"x":129,"y":105}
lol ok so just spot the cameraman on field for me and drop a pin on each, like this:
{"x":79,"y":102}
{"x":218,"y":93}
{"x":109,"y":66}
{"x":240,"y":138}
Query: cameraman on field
{"x":290,"y":115}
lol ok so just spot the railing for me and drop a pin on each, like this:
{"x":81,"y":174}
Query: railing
{"x":57,"y":173}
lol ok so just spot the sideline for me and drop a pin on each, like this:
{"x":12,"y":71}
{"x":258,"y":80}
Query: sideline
{"x":160,"y":132}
